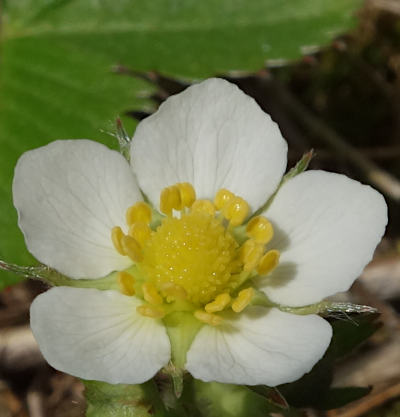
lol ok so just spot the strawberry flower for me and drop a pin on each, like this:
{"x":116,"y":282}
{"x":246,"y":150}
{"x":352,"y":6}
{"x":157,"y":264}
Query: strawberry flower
{"x":201,"y":265}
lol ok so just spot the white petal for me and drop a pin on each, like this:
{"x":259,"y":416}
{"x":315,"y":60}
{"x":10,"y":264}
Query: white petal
{"x":261,"y":347}
{"x":327,"y":227}
{"x":97,"y":335}
{"x":213,"y":136}
{"x":69,"y":194}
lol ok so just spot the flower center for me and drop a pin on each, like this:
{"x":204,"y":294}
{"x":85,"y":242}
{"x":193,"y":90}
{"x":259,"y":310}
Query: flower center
{"x":194,"y":252}
{"x":191,"y":260}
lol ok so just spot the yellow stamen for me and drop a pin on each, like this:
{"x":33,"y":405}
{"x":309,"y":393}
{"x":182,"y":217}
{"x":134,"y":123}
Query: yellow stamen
{"x":236,"y":210}
{"x":155,"y":312}
{"x":116,"y":236}
{"x":242,"y":300}
{"x":187,"y":194}
{"x":126,"y":283}
{"x":208,"y":318}
{"x":250,"y":254}
{"x":132,"y":248}
{"x":260,"y":229}
{"x":173,"y":291}
{"x":139,"y":212}
{"x":151,"y":295}
{"x":205,"y":206}
{"x":220,"y":302}
{"x":268,"y":262}
{"x":222,"y":197}
{"x":140,"y":231}
{"x":170,"y":199}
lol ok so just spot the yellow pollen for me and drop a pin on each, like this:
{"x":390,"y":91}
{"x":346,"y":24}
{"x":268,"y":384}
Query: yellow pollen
{"x":222,"y":197}
{"x":260,"y":229}
{"x":132,"y":248}
{"x":236,"y":210}
{"x":116,"y":236}
{"x":220,"y":302}
{"x":140,"y":231}
{"x":205,"y":206}
{"x":242,"y":300}
{"x":126,"y":283}
{"x":208,"y":318}
{"x":268,"y":262}
{"x":155,"y":312}
{"x":139,"y":212}
{"x":194,"y":252}
{"x":187,"y":194}
{"x":151,"y":295}
{"x":170,"y":199}
{"x":250,"y":254}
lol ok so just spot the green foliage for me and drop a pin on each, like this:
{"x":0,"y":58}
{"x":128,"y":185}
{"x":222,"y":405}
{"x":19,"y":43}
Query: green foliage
{"x":350,"y":332}
{"x":57,"y":59}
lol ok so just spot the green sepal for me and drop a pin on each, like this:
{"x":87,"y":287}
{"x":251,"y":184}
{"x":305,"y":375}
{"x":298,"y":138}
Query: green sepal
{"x":271,"y":394}
{"x":107,"y":400}
{"x":123,"y":138}
{"x":176,"y":375}
{"x":300,"y":167}
{"x":182,"y":328}
{"x":54,"y":278}
{"x":329,"y":309}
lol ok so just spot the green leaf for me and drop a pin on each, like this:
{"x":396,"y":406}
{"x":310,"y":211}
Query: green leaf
{"x":57,"y":58}
{"x":350,"y":332}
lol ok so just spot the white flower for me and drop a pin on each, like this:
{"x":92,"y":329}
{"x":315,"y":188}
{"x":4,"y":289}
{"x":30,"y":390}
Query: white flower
{"x":188,"y":289}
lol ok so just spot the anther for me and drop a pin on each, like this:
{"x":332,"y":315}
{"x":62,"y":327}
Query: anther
{"x":151,"y":295}
{"x":170,"y":199}
{"x":220,"y":302}
{"x":205,"y":206}
{"x":139,"y":212}
{"x":116,"y":236}
{"x":268,"y":262}
{"x":208,"y":318}
{"x":187,"y":194}
{"x":250,"y":254}
{"x":140,"y":231}
{"x":260,"y":229}
{"x":132,"y":248}
{"x":242,"y":300}
{"x":126,"y":283}
{"x":236,"y":210}
{"x":222,"y":197}
{"x":155,"y":312}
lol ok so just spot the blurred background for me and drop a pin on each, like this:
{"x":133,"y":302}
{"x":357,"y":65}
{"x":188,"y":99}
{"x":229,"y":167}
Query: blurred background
{"x":327,"y":71}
